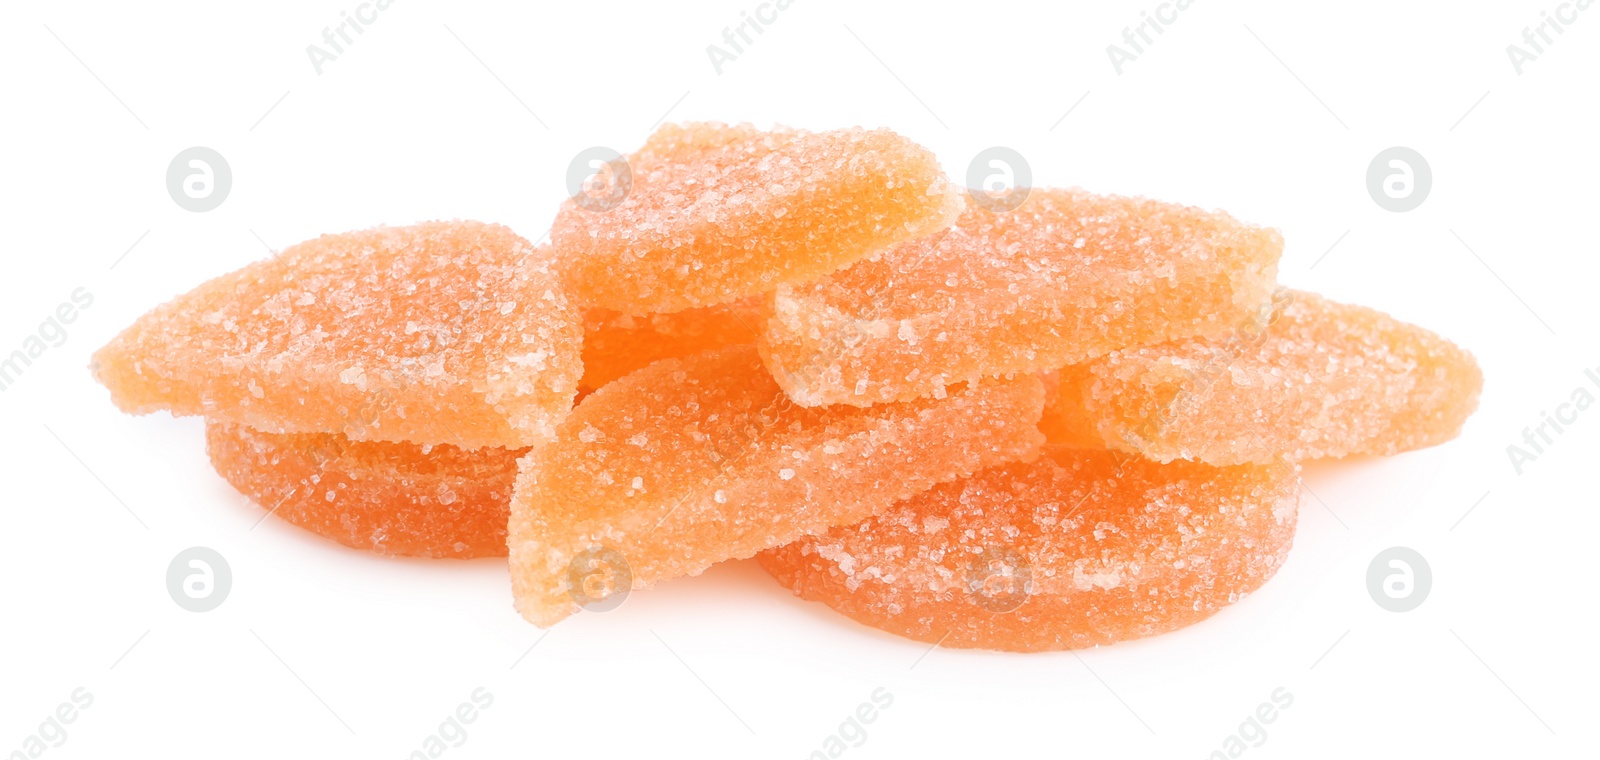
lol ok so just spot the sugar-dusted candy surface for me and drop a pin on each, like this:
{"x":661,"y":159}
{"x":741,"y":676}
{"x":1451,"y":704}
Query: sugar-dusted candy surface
{"x":1315,"y":379}
{"x":692,"y":461}
{"x":444,"y":332}
{"x":1064,"y":277}
{"x":387,"y":498}
{"x":1075,"y":549}
{"x":715,"y":213}
{"x":616,"y":343}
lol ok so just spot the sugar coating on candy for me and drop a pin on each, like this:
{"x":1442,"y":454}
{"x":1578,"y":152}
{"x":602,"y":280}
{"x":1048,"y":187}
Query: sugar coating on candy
{"x":443,"y":332}
{"x":1316,"y":379}
{"x":1064,"y":277}
{"x":714,"y":213}
{"x":616,"y":343}
{"x":387,"y":498}
{"x":692,"y":461}
{"x":1077,"y":548}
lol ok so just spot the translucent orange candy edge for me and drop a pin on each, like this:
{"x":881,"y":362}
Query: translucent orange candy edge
{"x":393,"y":499}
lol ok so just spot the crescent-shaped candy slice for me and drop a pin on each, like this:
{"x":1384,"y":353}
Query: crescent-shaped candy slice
{"x":708,"y":213}
{"x":444,"y":332}
{"x":1314,"y":379}
{"x":387,"y":498}
{"x":1064,"y":277}
{"x":1075,"y":549}
{"x":692,"y":461}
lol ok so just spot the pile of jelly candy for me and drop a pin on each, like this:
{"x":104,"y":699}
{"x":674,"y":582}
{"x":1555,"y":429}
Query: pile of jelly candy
{"x":1054,"y":424}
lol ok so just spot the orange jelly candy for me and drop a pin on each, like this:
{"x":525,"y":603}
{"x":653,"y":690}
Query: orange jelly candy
{"x":1314,"y":379}
{"x":708,"y":213}
{"x":387,"y":498}
{"x":615,"y":343}
{"x":1064,"y":277}
{"x":444,"y":332}
{"x":1075,"y":549}
{"x":692,"y":461}
{"x":1063,"y":421}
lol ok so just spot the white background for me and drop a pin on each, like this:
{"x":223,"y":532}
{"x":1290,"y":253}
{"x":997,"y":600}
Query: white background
{"x":1269,"y":110}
